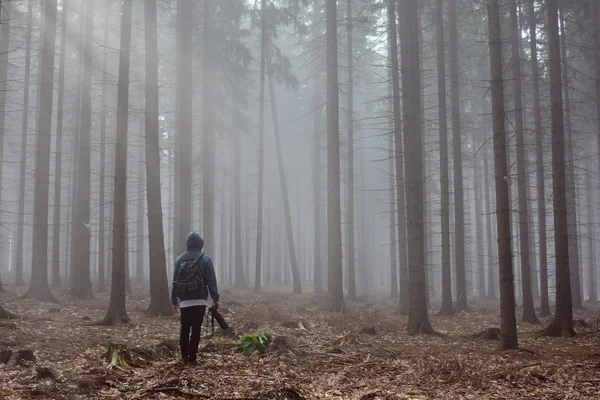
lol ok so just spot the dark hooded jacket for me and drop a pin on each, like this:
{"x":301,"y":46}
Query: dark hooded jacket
{"x":194,"y":244}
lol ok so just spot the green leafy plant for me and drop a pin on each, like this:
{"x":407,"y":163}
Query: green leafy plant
{"x":258,"y":341}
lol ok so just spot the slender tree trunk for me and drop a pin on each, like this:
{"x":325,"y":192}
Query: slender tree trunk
{"x":38,"y":286}
{"x":117,"y":313}
{"x":459,"y":207}
{"x":139,"y":208}
{"x":446,"y":308}
{"x":478,"y":223}
{"x":541,"y":205}
{"x":208,"y":132}
{"x":334,"y":224}
{"x":400,"y":192}
{"x":159,"y":287}
{"x":23,"y":166}
{"x":350,"y":197}
{"x":491,"y":292}
{"x":508,"y":322}
{"x":82,"y":287}
{"x":102,"y":200}
{"x":528,"y":309}
{"x":317,"y":197}
{"x":418,"y":319}
{"x":572,"y":206}
{"x":184,"y":125}
{"x":240,"y":277}
{"x":562,"y":324}
{"x":284,"y":188}
{"x":4,"y":60}
{"x":591,"y":278}
{"x":264,"y":44}
{"x":392,"y":189}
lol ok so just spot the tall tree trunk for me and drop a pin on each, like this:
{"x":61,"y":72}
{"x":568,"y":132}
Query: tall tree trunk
{"x":491,"y":292}
{"x":418,"y":319}
{"x":159,"y":287}
{"x":541,"y":205}
{"x":184,"y":122}
{"x":101,"y":200}
{"x":528,"y":309}
{"x":139,"y":207}
{"x":4,"y":58}
{"x":82,"y":285}
{"x":508,"y":322}
{"x":75,"y":161}
{"x":284,"y":188}
{"x":572,"y":206}
{"x":591,"y":278}
{"x":38,"y":286}
{"x":446,"y":308}
{"x":459,"y":206}
{"x":117,"y":313}
{"x":240,"y":276}
{"x":264,"y":44}
{"x":23,"y":166}
{"x":400,"y":187}
{"x":478,"y":223}
{"x":350,"y":196}
{"x":317,"y":198}
{"x":392,"y":189}
{"x":208,"y":133}
{"x":334,"y":223}
{"x":562,"y":324}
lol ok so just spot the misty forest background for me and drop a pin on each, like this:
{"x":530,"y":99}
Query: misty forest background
{"x":434,"y":151}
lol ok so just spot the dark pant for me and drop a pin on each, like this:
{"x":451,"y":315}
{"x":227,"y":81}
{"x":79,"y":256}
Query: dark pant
{"x":191,"y":318}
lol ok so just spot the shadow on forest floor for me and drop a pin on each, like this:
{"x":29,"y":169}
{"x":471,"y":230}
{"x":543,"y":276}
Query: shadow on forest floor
{"x":363,"y":354}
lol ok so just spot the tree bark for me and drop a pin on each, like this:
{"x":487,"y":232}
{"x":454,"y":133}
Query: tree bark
{"x":539,"y":143}
{"x":101,"y":200}
{"x":528,"y":309}
{"x":508,"y":323}
{"x":264,"y":44}
{"x":418,"y":319}
{"x":459,"y":207}
{"x":591,"y":277}
{"x":350,"y":196}
{"x":240,"y":276}
{"x":392,"y":188}
{"x":478,"y":223}
{"x":23,"y":166}
{"x":446,"y":308}
{"x":208,"y":132}
{"x":572,"y":206}
{"x":38,"y":286}
{"x":562,"y":323}
{"x":184,"y":122}
{"x":159,"y":288}
{"x":4,"y":59}
{"x":334,"y":224}
{"x":403,"y":301}
{"x":117,"y":313}
{"x":491,"y":292}
{"x":82,"y":285}
{"x":284,"y":189}
{"x":317,"y":197}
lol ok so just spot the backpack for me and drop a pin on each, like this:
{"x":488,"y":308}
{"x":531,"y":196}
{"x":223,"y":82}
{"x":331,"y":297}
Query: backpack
{"x":189,"y":284}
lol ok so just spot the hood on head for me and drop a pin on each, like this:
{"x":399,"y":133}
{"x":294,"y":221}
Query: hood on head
{"x":194,"y":242}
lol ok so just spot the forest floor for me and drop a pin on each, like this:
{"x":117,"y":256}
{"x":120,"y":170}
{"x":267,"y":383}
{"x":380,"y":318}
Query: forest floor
{"x":363,"y":354}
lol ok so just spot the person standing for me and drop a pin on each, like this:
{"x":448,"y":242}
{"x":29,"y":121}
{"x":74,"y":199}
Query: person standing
{"x":193,"y":279}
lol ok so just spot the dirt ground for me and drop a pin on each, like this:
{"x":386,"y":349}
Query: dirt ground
{"x":362,"y":354}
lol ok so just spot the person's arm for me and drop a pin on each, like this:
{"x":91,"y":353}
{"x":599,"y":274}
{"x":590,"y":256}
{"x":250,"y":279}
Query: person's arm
{"x":210,"y":279}
{"x":175,"y":272}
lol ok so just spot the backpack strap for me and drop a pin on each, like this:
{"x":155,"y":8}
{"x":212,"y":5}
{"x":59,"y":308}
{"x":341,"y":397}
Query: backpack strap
{"x":194,"y":263}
